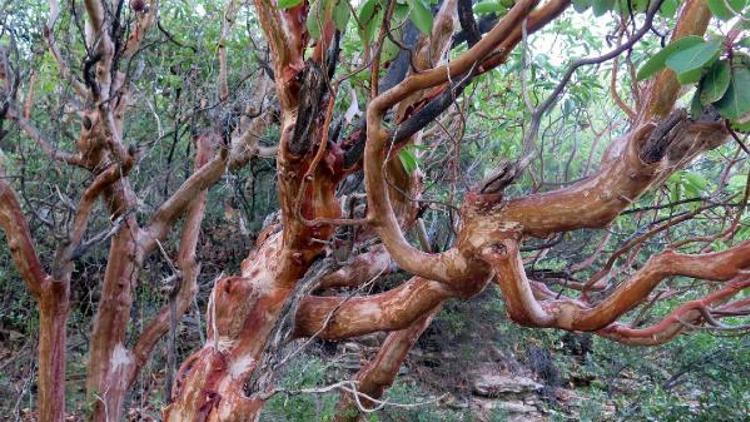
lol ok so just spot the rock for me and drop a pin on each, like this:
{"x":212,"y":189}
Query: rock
{"x":514,"y":407}
{"x":371,"y":340}
{"x":511,"y":411}
{"x":351,"y":347}
{"x":455,"y":402}
{"x":492,"y":385}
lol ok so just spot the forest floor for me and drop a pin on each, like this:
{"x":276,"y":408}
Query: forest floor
{"x":470,"y":364}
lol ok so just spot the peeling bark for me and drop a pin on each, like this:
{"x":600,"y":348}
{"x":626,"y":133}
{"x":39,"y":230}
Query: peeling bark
{"x":246,"y":310}
{"x":53,"y":302}
{"x":378,"y":375}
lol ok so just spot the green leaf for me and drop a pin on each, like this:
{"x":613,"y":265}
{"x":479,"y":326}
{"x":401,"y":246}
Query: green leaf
{"x":657,"y":61}
{"x":486,"y":7}
{"x":420,"y":15}
{"x":696,"y":108}
{"x":601,"y":7}
{"x":366,"y":12}
{"x":408,"y":160}
{"x":743,"y":233}
{"x":690,"y":62}
{"x":625,"y":7}
{"x":314,"y":19}
{"x":370,"y":17}
{"x":668,"y":8}
{"x":640,"y":5}
{"x":400,"y":13}
{"x":737,"y":183}
{"x":725,"y":9}
{"x":690,"y":77}
{"x":716,"y":82}
{"x":581,"y":6}
{"x":740,"y":59}
{"x":341,"y":14}
{"x":390,"y":50}
{"x":694,"y":183}
{"x":675,"y":191}
{"x":735,"y":104}
{"x":288,"y":4}
{"x":373,"y":25}
{"x":675,"y":178}
{"x":741,"y":127}
{"x":719,"y":245}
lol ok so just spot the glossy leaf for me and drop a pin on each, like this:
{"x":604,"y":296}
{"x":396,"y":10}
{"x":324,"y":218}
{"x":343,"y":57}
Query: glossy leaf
{"x":735,"y":104}
{"x":690,"y":63}
{"x":741,"y":127}
{"x":366,"y":12}
{"x":694,"y":183}
{"x":581,"y":6}
{"x":657,"y":61}
{"x":314,"y":18}
{"x":740,"y":59}
{"x":372,"y":26}
{"x":400,"y":14}
{"x":288,"y":4}
{"x":420,"y":15}
{"x":696,"y":108}
{"x":486,"y":7}
{"x":716,"y":82}
{"x":390,"y":50}
{"x":737,"y":183}
{"x":725,"y":9}
{"x":408,"y":160}
{"x":600,"y":7}
{"x":668,"y":8}
{"x":341,"y":14}
{"x":640,"y":5}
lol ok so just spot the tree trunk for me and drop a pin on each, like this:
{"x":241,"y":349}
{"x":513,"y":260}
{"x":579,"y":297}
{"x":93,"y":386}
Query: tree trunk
{"x":53,"y":318}
{"x":52,"y":299}
{"x":109,"y":359}
{"x":112,"y":366}
{"x":241,"y":313}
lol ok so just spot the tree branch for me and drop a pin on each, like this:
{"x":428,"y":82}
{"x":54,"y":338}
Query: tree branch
{"x":685,"y":317}
{"x":568,"y":314}
{"x":62,"y":65}
{"x":18,"y":237}
{"x":173,"y":207}
{"x":51,"y":151}
{"x":184,"y":292}
{"x":439,"y":267}
{"x":395,"y":309}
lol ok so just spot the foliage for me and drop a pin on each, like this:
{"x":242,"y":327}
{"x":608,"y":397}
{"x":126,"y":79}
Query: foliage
{"x":309,"y":372}
{"x":700,"y":376}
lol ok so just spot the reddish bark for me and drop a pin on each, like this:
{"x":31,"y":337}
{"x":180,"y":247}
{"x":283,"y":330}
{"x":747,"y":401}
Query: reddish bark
{"x":487,"y":242}
{"x":244,"y":310}
{"x":361,"y":269}
{"x":109,"y":358}
{"x":53,"y":318}
{"x":113,"y":366}
{"x":52,"y":296}
{"x":378,"y":375}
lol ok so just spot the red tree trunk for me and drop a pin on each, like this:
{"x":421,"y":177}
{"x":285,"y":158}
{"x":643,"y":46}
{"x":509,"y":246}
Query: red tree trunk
{"x":53,"y":318}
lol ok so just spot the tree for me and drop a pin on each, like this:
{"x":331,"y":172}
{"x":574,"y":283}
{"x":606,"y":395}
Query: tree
{"x":414,"y":62}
